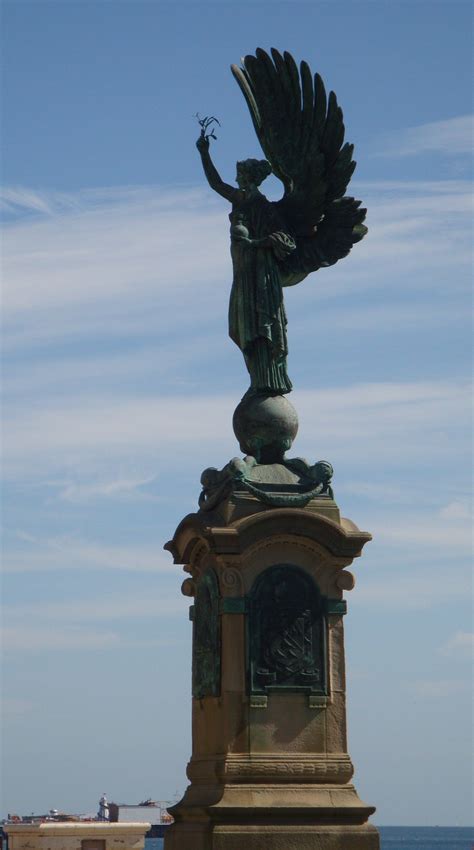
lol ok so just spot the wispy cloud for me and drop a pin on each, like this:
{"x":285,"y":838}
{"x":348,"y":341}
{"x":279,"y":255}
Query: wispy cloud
{"x":452,"y":136}
{"x":124,"y":245}
{"x":40,"y":639}
{"x":395,"y":492}
{"x":67,"y":624}
{"x":164,"y":364}
{"x":68,"y":553}
{"x":412,"y":591}
{"x":391,"y":317}
{"x":19,"y":199}
{"x":458,"y":509}
{"x":429,"y":534}
{"x":130,"y":488}
{"x":59,"y":638}
{"x":152,"y":603}
{"x":70,"y":432}
{"x":117,"y":262}
{"x":439,"y":688}
{"x":393,"y":422}
{"x":79,"y":624}
{"x":461,"y":643}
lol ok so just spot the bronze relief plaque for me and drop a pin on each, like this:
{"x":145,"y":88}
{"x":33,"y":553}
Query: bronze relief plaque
{"x":287,"y":632}
{"x":206,"y":638}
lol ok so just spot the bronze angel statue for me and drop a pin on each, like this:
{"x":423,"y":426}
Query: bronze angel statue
{"x":277,"y":244}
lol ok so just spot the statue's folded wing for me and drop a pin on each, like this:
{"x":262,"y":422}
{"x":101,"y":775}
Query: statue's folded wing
{"x":302,"y":136}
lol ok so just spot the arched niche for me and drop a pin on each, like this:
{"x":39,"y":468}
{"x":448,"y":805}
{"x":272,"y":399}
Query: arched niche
{"x":286,"y":633}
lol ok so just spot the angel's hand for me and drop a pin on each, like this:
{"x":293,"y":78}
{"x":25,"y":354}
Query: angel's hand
{"x":244,"y":240}
{"x":202,"y":143}
{"x":259,"y":243}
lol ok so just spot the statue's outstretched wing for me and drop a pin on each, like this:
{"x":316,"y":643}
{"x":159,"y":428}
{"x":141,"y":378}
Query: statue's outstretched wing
{"x":302,"y":136}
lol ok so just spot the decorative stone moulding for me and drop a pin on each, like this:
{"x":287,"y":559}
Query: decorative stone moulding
{"x":269,"y":711}
{"x":334,"y":768}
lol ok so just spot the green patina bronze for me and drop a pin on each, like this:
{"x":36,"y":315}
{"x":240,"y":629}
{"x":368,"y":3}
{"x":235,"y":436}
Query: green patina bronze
{"x":239,"y":605}
{"x":336,"y":606}
{"x":286,"y":633}
{"x":206,"y":637}
{"x":277,"y":244}
{"x":309,"y":481}
{"x":233,"y":605}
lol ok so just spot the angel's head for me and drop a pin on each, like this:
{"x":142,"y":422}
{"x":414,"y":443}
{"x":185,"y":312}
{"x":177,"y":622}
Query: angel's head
{"x":252,"y":172}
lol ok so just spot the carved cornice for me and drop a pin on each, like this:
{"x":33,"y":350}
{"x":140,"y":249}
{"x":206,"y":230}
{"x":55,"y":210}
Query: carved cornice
{"x":335,"y":769}
{"x":315,"y":549}
{"x":190,"y":530}
{"x":301,"y":523}
{"x":264,"y":525}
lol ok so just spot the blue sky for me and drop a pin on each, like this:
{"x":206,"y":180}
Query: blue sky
{"x":120,"y":382}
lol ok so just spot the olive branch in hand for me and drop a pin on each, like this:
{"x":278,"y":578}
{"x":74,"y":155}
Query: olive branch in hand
{"x":205,"y":123}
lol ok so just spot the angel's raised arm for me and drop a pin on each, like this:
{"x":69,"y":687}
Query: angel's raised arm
{"x":230,"y":193}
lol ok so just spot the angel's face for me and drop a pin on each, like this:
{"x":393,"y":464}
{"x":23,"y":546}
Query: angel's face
{"x":242,"y":177}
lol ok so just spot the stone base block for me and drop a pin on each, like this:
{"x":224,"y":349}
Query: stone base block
{"x":271,"y":836}
{"x":280,"y":837}
{"x":272,"y":817}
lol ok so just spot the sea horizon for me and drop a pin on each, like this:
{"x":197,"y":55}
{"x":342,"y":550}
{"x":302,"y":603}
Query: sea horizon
{"x":403,"y":838}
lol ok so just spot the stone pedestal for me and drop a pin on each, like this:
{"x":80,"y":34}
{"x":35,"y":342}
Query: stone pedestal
{"x":269,"y":768}
{"x":76,"y":836}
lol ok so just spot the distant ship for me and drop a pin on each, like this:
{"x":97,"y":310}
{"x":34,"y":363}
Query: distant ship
{"x":149,"y":811}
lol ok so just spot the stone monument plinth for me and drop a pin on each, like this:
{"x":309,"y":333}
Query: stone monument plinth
{"x":269,"y":768}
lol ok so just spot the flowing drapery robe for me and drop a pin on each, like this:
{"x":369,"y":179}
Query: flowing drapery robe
{"x":257,"y":318}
